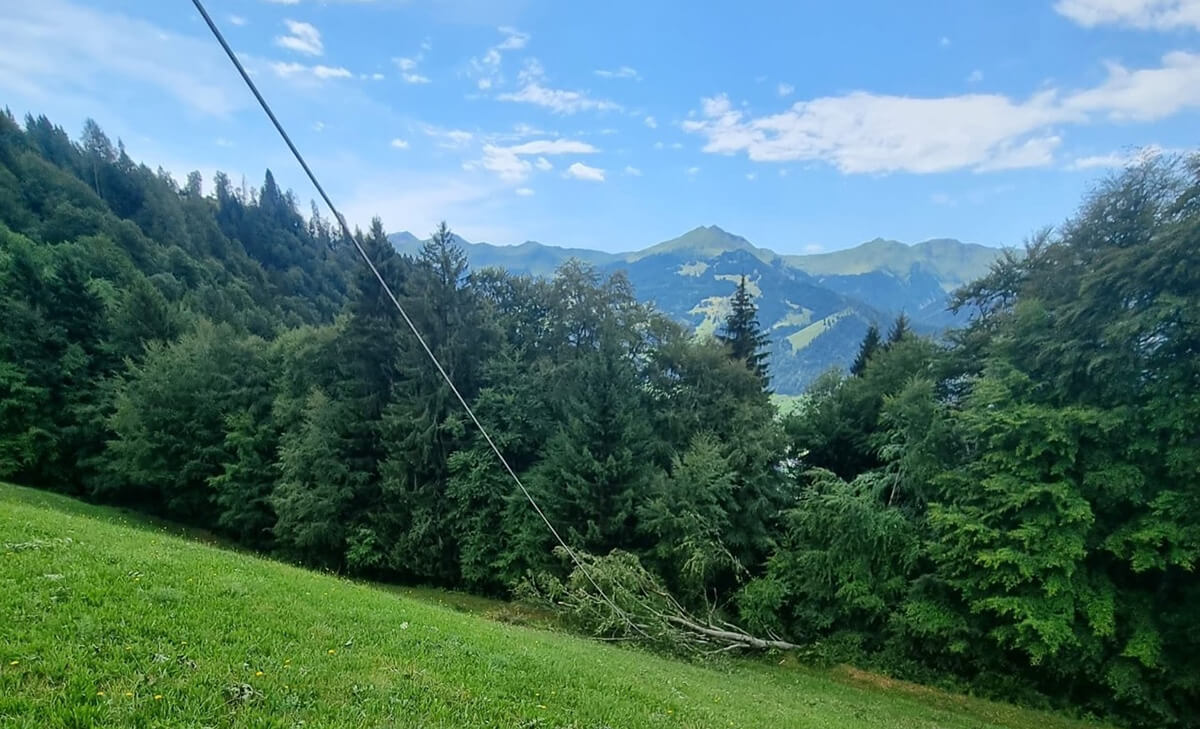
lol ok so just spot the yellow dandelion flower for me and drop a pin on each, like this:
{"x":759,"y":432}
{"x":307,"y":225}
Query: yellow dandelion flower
{"x":286,"y":661}
{"x":258,"y":673}
{"x":99,"y":693}
{"x":13,"y":663}
{"x":157,"y":697}
{"x":541,"y":706}
{"x":332,"y":651}
{"x":129,"y":693}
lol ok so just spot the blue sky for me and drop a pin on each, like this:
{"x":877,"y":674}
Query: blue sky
{"x":803,"y":126}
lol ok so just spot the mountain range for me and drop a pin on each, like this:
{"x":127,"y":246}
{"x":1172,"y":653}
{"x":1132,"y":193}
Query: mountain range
{"x":816,"y":307}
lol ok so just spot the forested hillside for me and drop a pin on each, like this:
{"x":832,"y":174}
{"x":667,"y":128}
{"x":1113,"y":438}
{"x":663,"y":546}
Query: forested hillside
{"x":815,"y":309}
{"x":1012,"y":509}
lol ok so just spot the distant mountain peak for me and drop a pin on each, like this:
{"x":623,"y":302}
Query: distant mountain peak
{"x":705,"y":241}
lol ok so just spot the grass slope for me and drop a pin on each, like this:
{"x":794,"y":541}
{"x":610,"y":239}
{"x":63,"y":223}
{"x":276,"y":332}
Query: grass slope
{"x":106,"y":621}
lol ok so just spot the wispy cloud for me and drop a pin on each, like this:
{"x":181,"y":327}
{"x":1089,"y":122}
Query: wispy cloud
{"x":57,"y":49}
{"x":1142,"y":14}
{"x":650,"y":122}
{"x":237,"y":20}
{"x":580,"y":171}
{"x":487,"y":68}
{"x":398,"y":143}
{"x":448,"y":138}
{"x":559,"y":101}
{"x":861,"y":132}
{"x":408,"y":66}
{"x":524,"y":191}
{"x":1123,"y":158}
{"x":784,"y":89}
{"x":301,"y":71}
{"x":975,"y":76}
{"x":510,"y":163}
{"x":622,"y":72}
{"x":632,"y":171}
{"x":302,"y":38}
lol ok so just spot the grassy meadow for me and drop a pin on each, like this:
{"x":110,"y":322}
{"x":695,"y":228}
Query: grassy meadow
{"x":107,"y":620}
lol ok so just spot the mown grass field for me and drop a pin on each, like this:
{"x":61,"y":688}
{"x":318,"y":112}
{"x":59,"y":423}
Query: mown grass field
{"x":106,"y":621}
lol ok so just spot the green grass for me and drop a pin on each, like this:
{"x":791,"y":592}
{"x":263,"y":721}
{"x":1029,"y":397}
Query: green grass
{"x":106,"y":621}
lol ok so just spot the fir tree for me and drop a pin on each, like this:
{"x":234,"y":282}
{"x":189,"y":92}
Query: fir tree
{"x":900,"y":329}
{"x":746,"y":340}
{"x":870,"y":345}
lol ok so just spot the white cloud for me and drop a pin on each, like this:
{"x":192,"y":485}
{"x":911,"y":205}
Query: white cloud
{"x":300,"y":71}
{"x":531,"y":71}
{"x":56,"y":50}
{"x":692,"y":171}
{"x":377,"y":77}
{"x":975,"y":76}
{"x":658,"y":145}
{"x":304,"y":38}
{"x":622,"y":72}
{"x":861,"y":132}
{"x":414,"y":78}
{"x":751,"y":176}
{"x":554,"y":146}
{"x":448,"y":138}
{"x":223,"y":142}
{"x":632,"y":171}
{"x":503,"y":162}
{"x":524,"y":191}
{"x":237,"y":20}
{"x":1119,"y":159}
{"x":510,"y":163}
{"x":318,"y":126}
{"x":486,"y":68}
{"x":784,"y":89}
{"x":1144,"y":94}
{"x":676,"y":145}
{"x":398,"y":143}
{"x":814,"y":248}
{"x":650,"y":122}
{"x":405,"y":64}
{"x":514,"y":39}
{"x":558,"y":100}
{"x":580,"y":171}
{"x":1142,"y":14}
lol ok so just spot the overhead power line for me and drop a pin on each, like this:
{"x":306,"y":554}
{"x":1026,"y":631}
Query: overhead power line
{"x":403,"y":314}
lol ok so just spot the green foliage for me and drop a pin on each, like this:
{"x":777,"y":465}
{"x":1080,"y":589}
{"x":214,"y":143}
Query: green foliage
{"x":746,"y":340}
{"x":1014,"y":507}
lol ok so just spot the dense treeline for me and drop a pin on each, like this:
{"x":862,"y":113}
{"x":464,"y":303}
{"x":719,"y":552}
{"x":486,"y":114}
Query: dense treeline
{"x":1014,"y":507}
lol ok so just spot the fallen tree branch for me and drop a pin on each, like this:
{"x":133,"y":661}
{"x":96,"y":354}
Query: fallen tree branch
{"x":637,"y":608}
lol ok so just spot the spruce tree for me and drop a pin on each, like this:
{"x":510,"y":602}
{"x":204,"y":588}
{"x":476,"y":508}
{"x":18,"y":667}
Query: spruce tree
{"x":900,"y":329}
{"x":866,"y":350}
{"x":745,"y":339}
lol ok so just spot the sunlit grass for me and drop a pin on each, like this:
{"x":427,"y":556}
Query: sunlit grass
{"x":110,"y":621}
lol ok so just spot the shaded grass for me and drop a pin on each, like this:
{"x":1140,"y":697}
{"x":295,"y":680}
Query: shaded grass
{"x":108,"y":621}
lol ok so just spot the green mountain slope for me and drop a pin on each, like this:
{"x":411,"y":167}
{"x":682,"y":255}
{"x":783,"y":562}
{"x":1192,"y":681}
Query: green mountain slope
{"x":529,"y":257}
{"x":815,"y":307}
{"x":952,"y":262}
{"x":703,"y":242}
{"x":107,"y":623}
